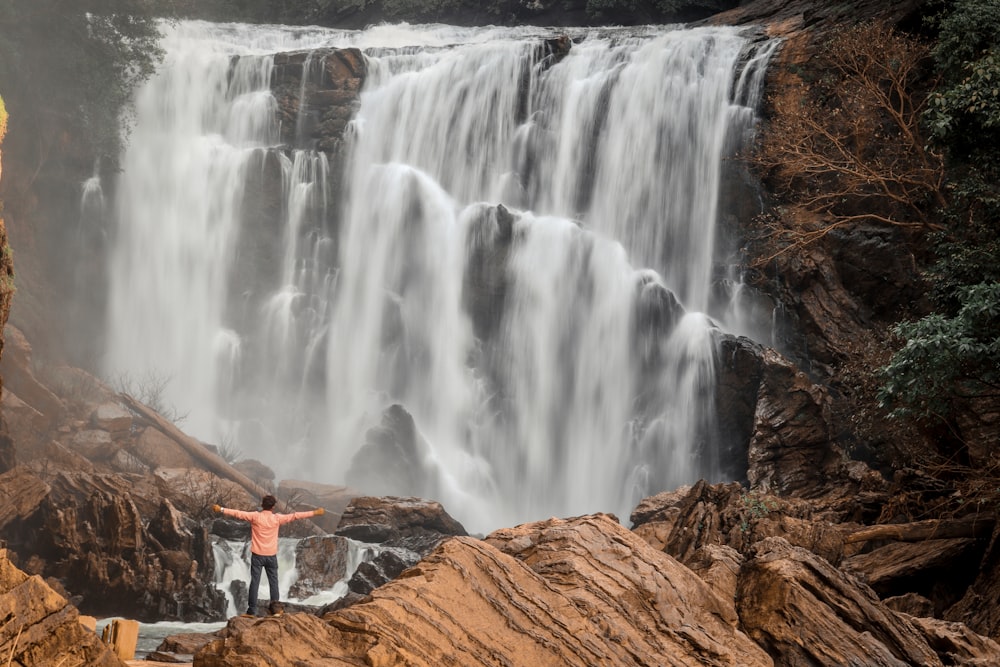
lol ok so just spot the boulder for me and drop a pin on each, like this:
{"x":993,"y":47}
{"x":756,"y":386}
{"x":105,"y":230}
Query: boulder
{"x":157,"y":450}
{"x":41,"y":628}
{"x":321,"y":561}
{"x":939,"y":570}
{"x":579,"y":592}
{"x":389,"y":519}
{"x":804,"y":611}
{"x":331,"y":497}
{"x":117,"y":556}
{"x":394,"y":458}
{"x":113,"y":418}
{"x":19,"y":376}
{"x":682,"y":522}
{"x":383,"y":568}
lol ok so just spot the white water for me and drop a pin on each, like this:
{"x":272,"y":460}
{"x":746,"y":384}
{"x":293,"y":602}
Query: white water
{"x":232,"y":564}
{"x":612,"y":174}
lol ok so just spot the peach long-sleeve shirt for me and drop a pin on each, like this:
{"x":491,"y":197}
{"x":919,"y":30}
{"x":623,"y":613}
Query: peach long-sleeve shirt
{"x":264,"y":527}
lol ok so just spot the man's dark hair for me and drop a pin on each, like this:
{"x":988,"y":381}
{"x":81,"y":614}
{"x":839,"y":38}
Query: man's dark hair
{"x":268,"y":502}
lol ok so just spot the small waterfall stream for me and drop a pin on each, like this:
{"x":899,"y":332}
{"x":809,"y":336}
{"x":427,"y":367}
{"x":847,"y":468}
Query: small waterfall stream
{"x":584,"y":189}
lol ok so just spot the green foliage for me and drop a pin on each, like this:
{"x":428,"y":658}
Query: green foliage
{"x":966,"y":113}
{"x":947,"y":358}
{"x":953,"y":354}
{"x":966,"y":30}
{"x":970,"y":252}
{"x":79,"y":60}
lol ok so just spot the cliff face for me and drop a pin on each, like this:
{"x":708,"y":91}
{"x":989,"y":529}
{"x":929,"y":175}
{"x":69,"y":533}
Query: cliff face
{"x":7,"y":454}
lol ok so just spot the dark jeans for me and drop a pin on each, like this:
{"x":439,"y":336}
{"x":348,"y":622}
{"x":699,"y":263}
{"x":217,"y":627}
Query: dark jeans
{"x":270,"y":565}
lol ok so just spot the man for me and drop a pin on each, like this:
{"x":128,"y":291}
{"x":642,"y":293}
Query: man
{"x":264,"y":543}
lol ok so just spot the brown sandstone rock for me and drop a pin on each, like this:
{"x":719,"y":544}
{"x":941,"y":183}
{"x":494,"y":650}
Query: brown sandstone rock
{"x":19,"y":375}
{"x":932,"y":568}
{"x":804,"y":611}
{"x":40,"y":627}
{"x":160,"y":451}
{"x":579,"y":592}
{"x":957,"y":644}
{"x":978,"y":608}
{"x":684,"y":521}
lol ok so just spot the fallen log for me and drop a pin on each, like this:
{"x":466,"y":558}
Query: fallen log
{"x":932,"y":529}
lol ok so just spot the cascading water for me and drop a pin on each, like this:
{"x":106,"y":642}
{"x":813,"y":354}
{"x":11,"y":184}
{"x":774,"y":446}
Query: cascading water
{"x":581,"y":191}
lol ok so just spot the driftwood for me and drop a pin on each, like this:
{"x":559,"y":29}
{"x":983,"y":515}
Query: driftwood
{"x":212,"y":462}
{"x":931,"y":529}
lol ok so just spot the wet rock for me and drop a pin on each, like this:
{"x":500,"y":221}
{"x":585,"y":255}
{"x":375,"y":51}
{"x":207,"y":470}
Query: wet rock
{"x":321,"y":561}
{"x":386,"y":566}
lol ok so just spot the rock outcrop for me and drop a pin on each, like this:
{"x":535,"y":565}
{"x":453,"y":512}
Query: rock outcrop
{"x":577,"y":592}
{"x":40,"y":627}
{"x":586,"y":591}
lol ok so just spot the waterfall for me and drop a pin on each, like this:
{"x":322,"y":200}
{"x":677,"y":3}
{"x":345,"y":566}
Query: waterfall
{"x":522,"y":255}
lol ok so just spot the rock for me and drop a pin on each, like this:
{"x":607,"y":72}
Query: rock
{"x":394,"y":458}
{"x":331,"y":497}
{"x":683,"y":521}
{"x":804,"y":611}
{"x":185,"y":643}
{"x":940,"y":570}
{"x":912,"y":604}
{"x":956,"y":644}
{"x":719,"y":567}
{"x":157,"y":450}
{"x":317,"y":94}
{"x":255,"y":470}
{"x":112,"y":418}
{"x":791,"y":451}
{"x":19,"y":376}
{"x":387,"y":519}
{"x":41,"y":628}
{"x":26,"y":425}
{"x":580,"y":592}
{"x":85,"y":530}
{"x":386,"y":566}
{"x":977,"y":608}
{"x":94,"y":445}
{"x":321,"y":561}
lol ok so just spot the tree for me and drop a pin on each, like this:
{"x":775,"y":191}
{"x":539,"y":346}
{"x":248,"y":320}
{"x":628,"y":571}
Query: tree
{"x":77,"y":61}
{"x":848,"y":147}
{"x":947,"y":359}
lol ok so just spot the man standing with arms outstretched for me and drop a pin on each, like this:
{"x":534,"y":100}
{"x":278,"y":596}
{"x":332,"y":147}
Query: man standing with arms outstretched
{"x":264,"y":543}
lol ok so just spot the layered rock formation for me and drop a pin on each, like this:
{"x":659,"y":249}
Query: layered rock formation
{"x":39,"y":627}
{"x":587,"y":591}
